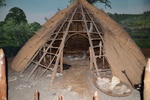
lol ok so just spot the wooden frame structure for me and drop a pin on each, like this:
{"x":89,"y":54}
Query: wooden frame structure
{"x":78,"y":21}
{"x":109,"y":43}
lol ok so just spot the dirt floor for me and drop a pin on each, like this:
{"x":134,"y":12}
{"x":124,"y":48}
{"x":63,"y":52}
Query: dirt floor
{"x":74,"y":84}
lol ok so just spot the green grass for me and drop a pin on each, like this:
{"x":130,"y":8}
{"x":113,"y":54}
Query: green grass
{"x":142,"y":44}
{"x":142,"y":39}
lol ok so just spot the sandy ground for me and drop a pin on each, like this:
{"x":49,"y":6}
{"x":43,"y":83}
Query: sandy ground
{"x":74,"y":84}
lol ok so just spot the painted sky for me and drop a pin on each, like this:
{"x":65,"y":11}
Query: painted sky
{"x":37,"y":10}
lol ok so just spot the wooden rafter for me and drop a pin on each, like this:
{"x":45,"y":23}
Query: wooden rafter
{"x":55,"y":44}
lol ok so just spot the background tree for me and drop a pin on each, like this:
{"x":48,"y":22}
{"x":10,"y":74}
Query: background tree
{"x":106,"y":2}
{"x":137,"y":25}
{"x":2,"y":3}
{"x":17,"y":15}
{"x":15,"y":31}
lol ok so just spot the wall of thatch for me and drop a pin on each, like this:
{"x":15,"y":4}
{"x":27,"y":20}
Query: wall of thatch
{"x":121,"y":51}
{"x":28,"y":50}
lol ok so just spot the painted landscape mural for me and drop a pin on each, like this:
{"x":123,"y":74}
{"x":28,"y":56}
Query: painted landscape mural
{"x":19,"y":20}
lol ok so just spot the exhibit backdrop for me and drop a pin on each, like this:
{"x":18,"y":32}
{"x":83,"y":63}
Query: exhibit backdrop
{"x":20,"y":19}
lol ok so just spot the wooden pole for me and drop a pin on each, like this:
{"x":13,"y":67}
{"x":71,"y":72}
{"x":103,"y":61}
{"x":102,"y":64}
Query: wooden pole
{"x":147,"y":81}
{"x":44,"y":50}
{"x":91,"y":58}
{"x":100,"y":49}
{"x":103,"y":60}
{"x":50,"y":55}
{"x":62,"y":46}
{"x":3,"y":85}
{"x":95,"y":97}
{"x":61,"y":62}
{"x":36,"y":95}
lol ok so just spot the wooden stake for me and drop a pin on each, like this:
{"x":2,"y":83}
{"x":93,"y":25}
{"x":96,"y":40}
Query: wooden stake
{"x":124,"y":72}
{"x":3,"y":85}
{"x":95,"y":96}
{"x":147,"y":81}
{"x":60,"y":97}
{"x":36,"y":95}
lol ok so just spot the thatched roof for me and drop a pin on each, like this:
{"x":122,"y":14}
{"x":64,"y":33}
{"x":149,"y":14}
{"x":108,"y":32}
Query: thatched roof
{"x":33,"y":44}
{"x":121,"y":51}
